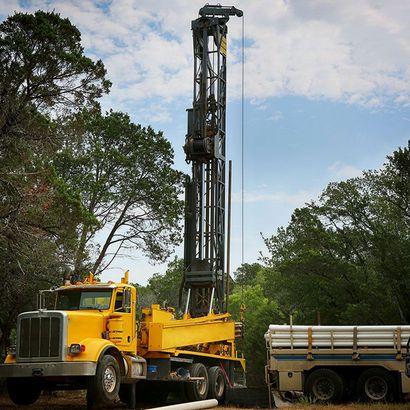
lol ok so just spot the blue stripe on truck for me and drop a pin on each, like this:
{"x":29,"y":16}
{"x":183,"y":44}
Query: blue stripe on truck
{"x":336,"y":357}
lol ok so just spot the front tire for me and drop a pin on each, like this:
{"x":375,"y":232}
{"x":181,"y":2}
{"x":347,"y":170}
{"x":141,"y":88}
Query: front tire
{"x":105,"y":385}
{"x":325,"y":386}
{"x":377,"y":385}
{"x":23,"y":391}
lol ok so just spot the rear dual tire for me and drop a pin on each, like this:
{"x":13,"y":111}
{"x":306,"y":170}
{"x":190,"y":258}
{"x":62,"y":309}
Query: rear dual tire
{"x":217,"y":384}
{"x":377,"y":385}
{"x":325,"y":386}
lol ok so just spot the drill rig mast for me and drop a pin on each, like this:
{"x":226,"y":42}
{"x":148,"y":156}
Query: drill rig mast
{"x":204,"y":253}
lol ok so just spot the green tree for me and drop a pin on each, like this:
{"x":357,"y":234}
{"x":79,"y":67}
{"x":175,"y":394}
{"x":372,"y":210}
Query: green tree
{"x":145,"y":298}
{"x":43,"y":75}
{"x":125,"y":176}
{"x":166,"y":287}
{"x":260,"y":312}
{"x":246,"y":274}
{"x":346,"y":255}
{"x":42,"y":67}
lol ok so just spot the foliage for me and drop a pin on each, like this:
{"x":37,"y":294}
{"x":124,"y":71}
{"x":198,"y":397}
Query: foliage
{"x":341,"y":260}
{"x":125,"y":177}
{"x":43,"y":74}
{"x":68,"y":172}
{"x":347,"y":255}
{"x":166,"y":287}
{"x":260,"y":312}
{"x":42,"y":65}
{"x":246,"y":273}
{"x":145,"y":298}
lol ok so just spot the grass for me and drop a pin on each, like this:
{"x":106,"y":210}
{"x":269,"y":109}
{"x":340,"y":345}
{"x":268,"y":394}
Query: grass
{"x":353,"y":406}
{"x":350,"y":406}
{"x":76,"y":401}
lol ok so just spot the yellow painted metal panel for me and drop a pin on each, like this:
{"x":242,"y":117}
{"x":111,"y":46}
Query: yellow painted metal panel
{"x":163,"y":336}
{"x":121,"y":326}
{"x":84,"y":324}
{"x":93,"y":349}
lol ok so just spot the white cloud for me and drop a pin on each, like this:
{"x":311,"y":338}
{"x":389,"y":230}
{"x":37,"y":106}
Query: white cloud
{"x":403,"y":100}
{"x":276,"y":116}
{"x":355,"y":52}
{"x":154,"y":113}
{"x":9,"y":7}
{"x":344,"y":171}
{"x":292,"y":199}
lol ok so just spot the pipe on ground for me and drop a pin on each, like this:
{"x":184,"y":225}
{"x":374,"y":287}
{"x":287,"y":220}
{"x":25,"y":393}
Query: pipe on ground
{"x":193,"y":405}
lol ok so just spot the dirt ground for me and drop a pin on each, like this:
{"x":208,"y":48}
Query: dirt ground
{"x":76,"y":401}
{"x":353,"y":406}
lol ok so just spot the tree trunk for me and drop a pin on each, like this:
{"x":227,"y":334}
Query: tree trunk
{"x":107,"y":243}
{"x":80,"y":254}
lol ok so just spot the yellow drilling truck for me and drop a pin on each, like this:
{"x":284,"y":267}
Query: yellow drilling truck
{"x":90,"y":338}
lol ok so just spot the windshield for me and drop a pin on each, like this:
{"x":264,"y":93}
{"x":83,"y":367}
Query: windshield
{"x":84,"y":300}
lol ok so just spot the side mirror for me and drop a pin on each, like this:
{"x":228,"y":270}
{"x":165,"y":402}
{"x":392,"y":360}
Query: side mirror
{"x":126,"y":301}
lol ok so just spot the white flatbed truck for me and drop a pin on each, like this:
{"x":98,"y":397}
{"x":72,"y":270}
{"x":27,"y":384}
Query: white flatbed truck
{"x":334,"y":363}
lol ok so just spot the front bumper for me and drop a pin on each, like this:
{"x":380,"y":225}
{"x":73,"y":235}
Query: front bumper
{"x":48,"y":369}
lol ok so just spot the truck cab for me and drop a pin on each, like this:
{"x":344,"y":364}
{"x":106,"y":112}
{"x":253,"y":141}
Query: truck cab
{"x":87,"y":340}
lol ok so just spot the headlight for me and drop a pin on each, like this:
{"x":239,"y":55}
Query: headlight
{"x":76,"y":348}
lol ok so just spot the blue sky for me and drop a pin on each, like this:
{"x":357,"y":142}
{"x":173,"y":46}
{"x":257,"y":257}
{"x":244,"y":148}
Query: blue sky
{"x":327,"y":88}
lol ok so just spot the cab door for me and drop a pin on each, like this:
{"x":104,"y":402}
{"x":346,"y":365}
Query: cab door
{"x":121,"y":324}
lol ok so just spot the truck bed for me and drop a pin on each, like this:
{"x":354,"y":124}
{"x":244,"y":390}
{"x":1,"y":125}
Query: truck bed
{"x":337,"y":337}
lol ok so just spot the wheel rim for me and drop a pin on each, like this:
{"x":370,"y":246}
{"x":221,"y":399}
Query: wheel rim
{"x":201,"y":385}
{"x":219,"y":386}
{"x":376,"y":388}
{"x":110,"y":379}
{"x":323,"y":389}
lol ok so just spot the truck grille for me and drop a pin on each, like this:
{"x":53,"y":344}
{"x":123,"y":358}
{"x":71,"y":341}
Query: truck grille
{"x":40,"y":336}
